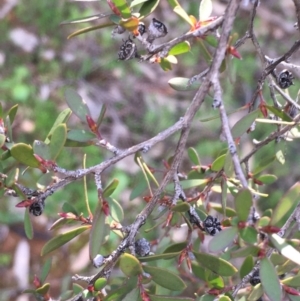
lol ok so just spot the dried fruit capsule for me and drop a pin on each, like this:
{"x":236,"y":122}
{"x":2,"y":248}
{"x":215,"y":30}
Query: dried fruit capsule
{"x":255,"y":278}
{"x":128,"y":50}
{"x":285,"y":79}
{"x":36,"y":208}
{"x":141,"y":28}
{"x":156,"y":30}
{"x":142,"y":247}
{"x":211,"y":225}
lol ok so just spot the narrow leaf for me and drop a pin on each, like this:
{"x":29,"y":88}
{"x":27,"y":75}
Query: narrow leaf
{"x":62,"y":239}
{"x":216,"y":264}
{"x":76,"y":104}
{"x":285,"y":249}
{"x":180,"y":48}
{"x":247,"y":266}
{"x":98,"y":232}
{"x":222,"y":239}
{"x":110,"y":188}
{"x":165,"y":278}
{"x":147,"y":8}
{"x":24,"y":154}
{"x":130,"y":265}
{"x":205,"y":10}
{"x":182,"y":84}
{"x":244,"y":124}
{"x":63,"y":117}
{"x":243,"y":203}
{"x":90,"y":28}
{"x":269,"y":280}
{"x":45,"y":269}
{"x":286,"y":204}
{"x":27,"y":224}
{"x":169,"y":298}
{"x":58,"y":140}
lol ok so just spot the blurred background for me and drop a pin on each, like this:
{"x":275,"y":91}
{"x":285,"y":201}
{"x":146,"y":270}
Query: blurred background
{"x":37,"y":62}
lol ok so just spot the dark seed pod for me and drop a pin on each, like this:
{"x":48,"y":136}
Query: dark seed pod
{"x":36,"y":208}
{"x":255,"y":278}
{"x":128,"y":50}
{"x":211,"y":225}
{"x":141,"y":28}
{"x":285,"y":79}
{"x":142,"y":247}
{"x":156,"y":30}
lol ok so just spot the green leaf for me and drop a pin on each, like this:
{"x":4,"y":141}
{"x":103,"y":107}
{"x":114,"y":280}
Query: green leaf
{"x":181,"y":207}
{"x":100,"y":283}
{"x":130,"y":265}
{"x":180,"y":48}
{"x":224,"y":196}
{"x":245,"y":251}
{"x":169,"y":298}
{"x":207,"y":298}
{"x":229,"y":212}
{"x":218,"y":163}
{"x":137,"y":2}
{"x":133,"y":295}
{"x":243,"y":204}
{"x":2,"y":140}
{"x":222,"y":239}
{"x":263,"y":164}
{"x":43,"y":290}
{"x":24,"y":154}
{"x":182,"y":84}
{"x":180,"y":11}
{"x":193,"y":156}
{"x":12,"y":177}
{"x":45,"y":269}
{"x":211,"y":40}
{"x":292,"y":281}
{"x":62,"y":239}
{"x":280,"y":156}
{"x":42,"y":149}
{"x":269,"y":280}
{"x":80,"y":135}
{"x":267,"y":179}
{"x":84,"y":19}
{"x":205,"y":10}
{"x":249,"y":235}
{"x":27,"y":225}
{"x":287,"y":203}
{"x":165,"y":64}
{"x":281,"y":114}
{"x":76,"y":104}
{"x":147,"y":8}
{"x":99,"y":231}
{"x":216,"y":264}
{"x":58,"y":140}
{"x":12,"y":113}
{"x":115,"y":295}
{"x":101,"y":115}
{"x":256,"y":293}
{"x":244,"y":124}
{"x":63,"y":117}
{"x":285,"y":249}
{"x":123,"y":7}
{"x":67,"y":207}
{"x":178,"y":247}
{"x":186,"y":184}
{"x":116,"y":210}
{"x":246,"y":266}
{"x":224,"y":298}
{"x":165,"y":278}
{"x":77,"y":288}
{"x":110,"y":188}
{"x":90,"y":28}
{"x":164,"y":256}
